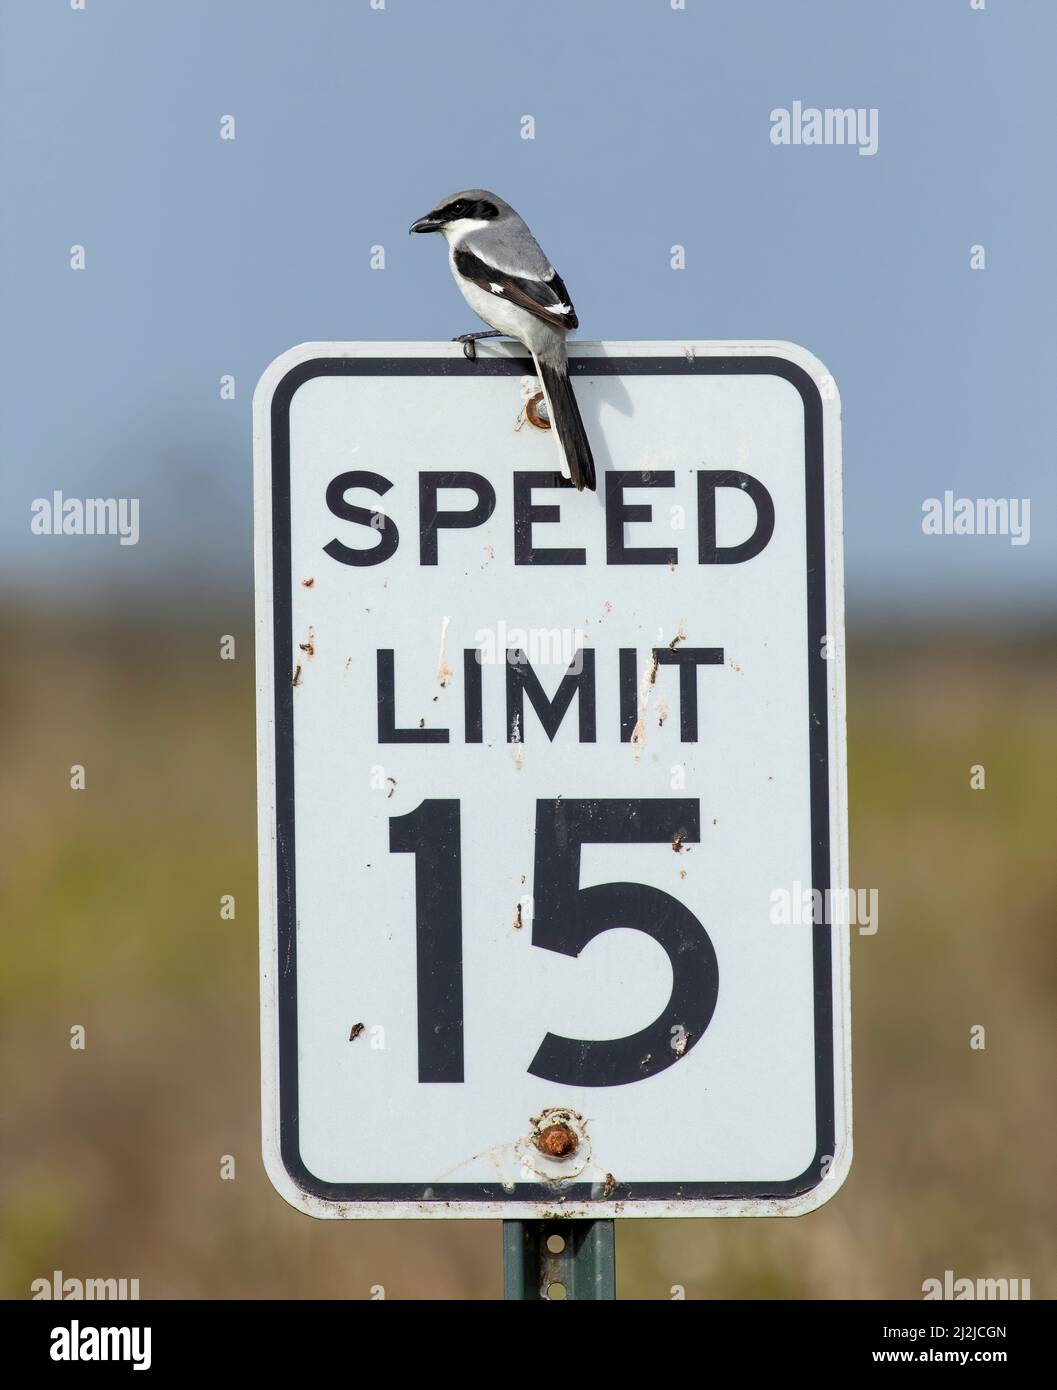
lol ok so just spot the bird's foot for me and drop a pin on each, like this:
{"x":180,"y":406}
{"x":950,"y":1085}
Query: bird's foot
{"x":469,"y":342}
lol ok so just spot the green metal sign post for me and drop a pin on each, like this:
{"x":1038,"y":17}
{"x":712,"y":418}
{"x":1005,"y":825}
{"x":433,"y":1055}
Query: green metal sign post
{"x":549,"y":1261}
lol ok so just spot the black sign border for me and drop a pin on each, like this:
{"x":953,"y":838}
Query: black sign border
{"x":439,"y":1194}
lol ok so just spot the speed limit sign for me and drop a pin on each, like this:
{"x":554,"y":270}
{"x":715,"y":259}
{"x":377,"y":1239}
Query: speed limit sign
{"x":541,"y":773}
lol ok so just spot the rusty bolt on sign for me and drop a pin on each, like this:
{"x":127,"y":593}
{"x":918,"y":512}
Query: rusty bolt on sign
{"x":535,"y":409}
{"x":557,"y":1141}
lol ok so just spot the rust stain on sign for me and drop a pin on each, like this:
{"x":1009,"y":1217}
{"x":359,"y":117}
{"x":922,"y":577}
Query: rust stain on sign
{"x":445,"y":675}
{"x":515,"y":739}
{"x":638,"y":734}
{"x":649,"y":680}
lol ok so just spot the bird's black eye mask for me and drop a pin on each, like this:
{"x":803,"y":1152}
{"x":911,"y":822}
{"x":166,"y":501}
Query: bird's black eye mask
{"x":463,"y":207}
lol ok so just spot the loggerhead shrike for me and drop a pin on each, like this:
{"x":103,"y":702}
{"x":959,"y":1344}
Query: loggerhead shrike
{"x":508,"y":281}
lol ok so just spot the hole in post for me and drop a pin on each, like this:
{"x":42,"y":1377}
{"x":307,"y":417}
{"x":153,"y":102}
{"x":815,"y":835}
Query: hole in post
{"x":556,"y":1244}
{"x":556,"y":1292}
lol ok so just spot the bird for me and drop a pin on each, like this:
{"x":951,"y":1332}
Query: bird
{"x":508,"y":281}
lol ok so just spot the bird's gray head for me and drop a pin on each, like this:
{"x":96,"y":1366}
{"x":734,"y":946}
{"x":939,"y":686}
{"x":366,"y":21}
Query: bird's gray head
{"x":458,"y":211}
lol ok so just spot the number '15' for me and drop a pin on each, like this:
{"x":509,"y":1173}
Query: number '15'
{"x":565,"y":919}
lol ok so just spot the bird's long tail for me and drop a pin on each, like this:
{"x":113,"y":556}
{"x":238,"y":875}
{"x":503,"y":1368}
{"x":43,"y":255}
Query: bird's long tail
{"x":565,"y":419}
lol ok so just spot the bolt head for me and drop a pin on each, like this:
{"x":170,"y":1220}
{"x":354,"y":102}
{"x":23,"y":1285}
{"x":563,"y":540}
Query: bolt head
{"x":557,"y":1141}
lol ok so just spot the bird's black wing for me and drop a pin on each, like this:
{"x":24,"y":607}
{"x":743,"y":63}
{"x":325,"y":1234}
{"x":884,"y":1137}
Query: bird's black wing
{"x":547,"y":299}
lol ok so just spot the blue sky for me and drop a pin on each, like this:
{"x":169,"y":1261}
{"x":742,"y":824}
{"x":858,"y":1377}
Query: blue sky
{"x":207,"y":257}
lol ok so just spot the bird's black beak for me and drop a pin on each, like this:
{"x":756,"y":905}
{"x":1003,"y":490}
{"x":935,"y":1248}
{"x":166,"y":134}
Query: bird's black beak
{"x":429,"y":223}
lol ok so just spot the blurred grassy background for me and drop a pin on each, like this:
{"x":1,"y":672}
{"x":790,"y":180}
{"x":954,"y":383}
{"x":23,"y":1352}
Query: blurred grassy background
{"x":111,"y":1156}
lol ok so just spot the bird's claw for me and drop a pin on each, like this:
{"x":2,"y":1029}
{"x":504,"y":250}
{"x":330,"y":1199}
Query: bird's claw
{"x":469,"y":346}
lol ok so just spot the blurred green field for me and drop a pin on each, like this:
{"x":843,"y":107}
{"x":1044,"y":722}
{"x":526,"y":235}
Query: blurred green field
{"x":110,"y":1157}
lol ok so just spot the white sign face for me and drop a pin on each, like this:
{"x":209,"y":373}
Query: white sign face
{"x":548,"y":781}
